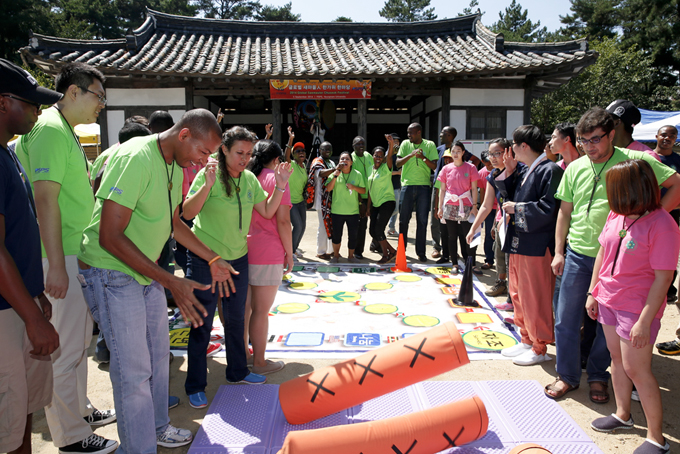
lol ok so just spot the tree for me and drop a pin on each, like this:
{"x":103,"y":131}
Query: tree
{"x":517,"y":27}
{"x":407,"y":10}
{"x":17,"y":18}
{"x":229,"y":9}
{"x":470,"y":9}
{"x":277,"y":13}
{"x":619,"y":73}
{"x":592,"y":19}
{"x":132,"y":13}
{"x":343,"y":19}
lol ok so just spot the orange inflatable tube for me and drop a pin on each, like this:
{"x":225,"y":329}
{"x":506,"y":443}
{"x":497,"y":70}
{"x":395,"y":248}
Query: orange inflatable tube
{"x":424,"y":432}
{"x":529,"y":448}
{"x":381,"y":371}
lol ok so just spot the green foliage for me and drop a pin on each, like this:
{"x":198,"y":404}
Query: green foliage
{"x":17,"y":17}
{"x":229,"y":9}
{"x":42,"y":78}
{"x":619,"y":73}
{"x":277,"y":13}
{"x":594,"y":19}
{"x":407,"y":10}
{"x":343,"y":19}
{"x":517,"y":27}
{"x":470,"y":9}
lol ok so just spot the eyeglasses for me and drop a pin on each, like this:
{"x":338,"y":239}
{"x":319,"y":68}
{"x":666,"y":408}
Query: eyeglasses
{"x":37,"y":105}
{"x":495,"y":155}
{"x":102,"y":98}
{"x":594,"y":140}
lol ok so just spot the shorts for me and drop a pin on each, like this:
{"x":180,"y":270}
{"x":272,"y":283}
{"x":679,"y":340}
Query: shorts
{"x":623,"y":322}
{"x":265,"y":275}
{"x":25,"y":380}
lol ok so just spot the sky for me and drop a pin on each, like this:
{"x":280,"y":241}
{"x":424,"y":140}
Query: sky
{"x":547,"y":11}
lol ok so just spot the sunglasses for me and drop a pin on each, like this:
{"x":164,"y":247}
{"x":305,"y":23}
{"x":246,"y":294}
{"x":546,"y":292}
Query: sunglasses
{"x":37,"y":105}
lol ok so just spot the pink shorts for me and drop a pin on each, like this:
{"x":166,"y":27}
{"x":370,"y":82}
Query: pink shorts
{"x":624,"y":321}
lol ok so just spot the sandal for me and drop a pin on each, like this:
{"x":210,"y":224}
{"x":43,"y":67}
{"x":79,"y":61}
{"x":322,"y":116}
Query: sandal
{"x":599,"y":396}
{"x":455,"y":269}
{"x":559,"y":393}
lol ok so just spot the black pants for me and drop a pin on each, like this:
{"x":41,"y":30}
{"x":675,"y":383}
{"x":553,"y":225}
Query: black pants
{"x":444,"y":238}
{"x":339,"y":221}
{"x":361,"y":231}
{"x":457,"y":233}
{"x":380,"y":216}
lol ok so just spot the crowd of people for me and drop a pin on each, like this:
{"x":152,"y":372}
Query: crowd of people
{"x":582,"y":230}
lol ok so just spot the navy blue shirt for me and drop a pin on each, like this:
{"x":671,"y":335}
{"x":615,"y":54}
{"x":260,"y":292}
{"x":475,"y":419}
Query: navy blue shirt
{"x":672,"y":161}
{"x":22,"y":237}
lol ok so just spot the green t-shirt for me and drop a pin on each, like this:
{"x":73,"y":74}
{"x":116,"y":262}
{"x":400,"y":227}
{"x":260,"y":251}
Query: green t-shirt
{"x":101,"y":159}
{"x":297,"y":182}
{"x":50,"y":153}
{"x":345,"y":202}
{"x":380,"y":185}
{"x":136,"y":177}
{"x":415,"y":172}
{"x":364,"y":165}
{"x":217,"y":224}
{"x":576,"y":187}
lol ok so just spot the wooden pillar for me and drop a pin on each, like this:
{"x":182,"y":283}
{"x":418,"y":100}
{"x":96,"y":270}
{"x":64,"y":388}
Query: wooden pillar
{"x":276,"y":120}
{"x":362,"y":123}
{"x":189,"y":95}
{"x":446,"y":104}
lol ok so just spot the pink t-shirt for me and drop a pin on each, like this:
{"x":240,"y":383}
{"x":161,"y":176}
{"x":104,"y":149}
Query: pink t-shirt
{"x":652,"y":243}
{"x":458,"y":180}
{"x":481,"y":184}
{"x":264,"y":244}
{"x":638,"y":146}
{"x":189,"y":175}
{"x":562,"y":164}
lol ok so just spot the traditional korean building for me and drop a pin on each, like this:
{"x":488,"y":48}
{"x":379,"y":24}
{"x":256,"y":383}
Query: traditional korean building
{"x":380,"y":76}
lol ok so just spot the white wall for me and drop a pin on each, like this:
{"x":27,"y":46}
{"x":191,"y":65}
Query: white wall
{"x":115,"y":119}
{"x":176,"y":114}
{"x":145,"y":97}
{"x":458,"y":119}
{"x":515,"y":119}
{"x":487,"y":97}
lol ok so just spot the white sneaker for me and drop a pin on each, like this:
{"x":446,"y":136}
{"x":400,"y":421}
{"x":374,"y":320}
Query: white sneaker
{"x":635,"y":396}
{"x":530,"y":358}
{"x":174,"y":437}
{"x":515,"y":350}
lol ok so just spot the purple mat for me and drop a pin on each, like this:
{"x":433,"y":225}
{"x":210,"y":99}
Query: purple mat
{"x":246,"y":419}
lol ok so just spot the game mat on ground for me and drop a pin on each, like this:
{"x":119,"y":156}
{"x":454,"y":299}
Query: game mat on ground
{"x":248,"y":419}
{"x":343,"y":311}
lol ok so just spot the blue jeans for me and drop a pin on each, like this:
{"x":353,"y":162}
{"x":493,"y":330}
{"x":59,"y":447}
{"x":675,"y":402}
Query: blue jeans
{"x":397,"y":207}
{"x":298,"y":217}
{"x":134,"y":320}
{"x":420,"y":197}
{"x":578,"y":270}
{"x":233,"y":307}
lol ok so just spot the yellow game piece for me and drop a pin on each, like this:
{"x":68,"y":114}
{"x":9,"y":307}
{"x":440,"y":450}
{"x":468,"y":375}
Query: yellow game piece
{"x":287,"y":277}
{"x":381,"y":308}
{"x":449,"y":280}
{"x":302,"y":285}
{"x":421,"y":320}
{"x":450,"y":290}
{"x":292,"y":308}
{"x":408,"y":278}
{"x":378,"y":286}
{"x":179,"y":338}
{"x":473,"y":317}
{"x":488,"y":340}
{"x":438,"y":271}
{"x":339,"y":296}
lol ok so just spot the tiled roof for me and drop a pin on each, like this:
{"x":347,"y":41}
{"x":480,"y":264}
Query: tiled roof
{"x":194,"y":47}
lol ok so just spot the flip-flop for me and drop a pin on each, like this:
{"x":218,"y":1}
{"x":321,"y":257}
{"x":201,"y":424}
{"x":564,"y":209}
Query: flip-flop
{"x":560,"y":394}
{"x":599,"y":392}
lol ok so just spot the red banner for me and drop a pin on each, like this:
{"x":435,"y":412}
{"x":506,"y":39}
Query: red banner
{"x":319,"y":89}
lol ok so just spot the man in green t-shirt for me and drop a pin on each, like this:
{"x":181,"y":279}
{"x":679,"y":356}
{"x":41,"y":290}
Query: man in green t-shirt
{"x":583,"y":213}
{"x":58,"y":169}
{"x":418,"y":158}
{"x":363,"y":163}
{"x":135,"y":212}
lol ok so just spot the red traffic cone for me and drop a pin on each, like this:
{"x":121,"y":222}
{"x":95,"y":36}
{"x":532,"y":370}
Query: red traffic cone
{"x":400,"y":265}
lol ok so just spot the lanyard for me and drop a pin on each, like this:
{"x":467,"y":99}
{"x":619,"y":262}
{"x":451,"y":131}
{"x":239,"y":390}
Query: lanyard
{"x":238,"y":199}
{"x":622,"y":234}
{"x":596,"y":179}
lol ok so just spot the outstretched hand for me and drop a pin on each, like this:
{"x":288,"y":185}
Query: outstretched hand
{"x":269,"y":130}
{"x":222,"y":280}
{"x":182,"y":290}
{"x":509,"y":161}
{"x":282,"y":173}
{"x":291,"y":134}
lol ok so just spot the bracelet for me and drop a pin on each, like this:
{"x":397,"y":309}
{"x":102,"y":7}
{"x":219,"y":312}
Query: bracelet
{"x":279,"y":189}
{"x":288,"y":146}
{"x":216,"y":258}
{"x":589,"y":294}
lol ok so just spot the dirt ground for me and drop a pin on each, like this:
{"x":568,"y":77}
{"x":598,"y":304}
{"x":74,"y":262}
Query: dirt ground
{"x":576,"y":403}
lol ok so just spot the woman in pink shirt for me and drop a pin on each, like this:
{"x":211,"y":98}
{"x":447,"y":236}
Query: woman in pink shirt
{"x":270,"y":253}
{"x":458,"y":201}
{"x":639,"y":251}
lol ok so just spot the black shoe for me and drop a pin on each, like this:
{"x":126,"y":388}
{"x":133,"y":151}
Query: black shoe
{"x":172,"y":357}
{"x":100,"y":418}
{"x":92,"y":444}
{"x":669,"y":348}
{"x":422,"y":258}
{"x":443,"y":260}
{"x":358,"y":256}
{"x":672,"y":299}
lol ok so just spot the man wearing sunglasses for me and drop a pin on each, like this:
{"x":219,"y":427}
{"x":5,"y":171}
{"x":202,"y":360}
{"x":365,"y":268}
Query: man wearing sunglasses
{"x":59,"y":172}
{"x":582,"y":216}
